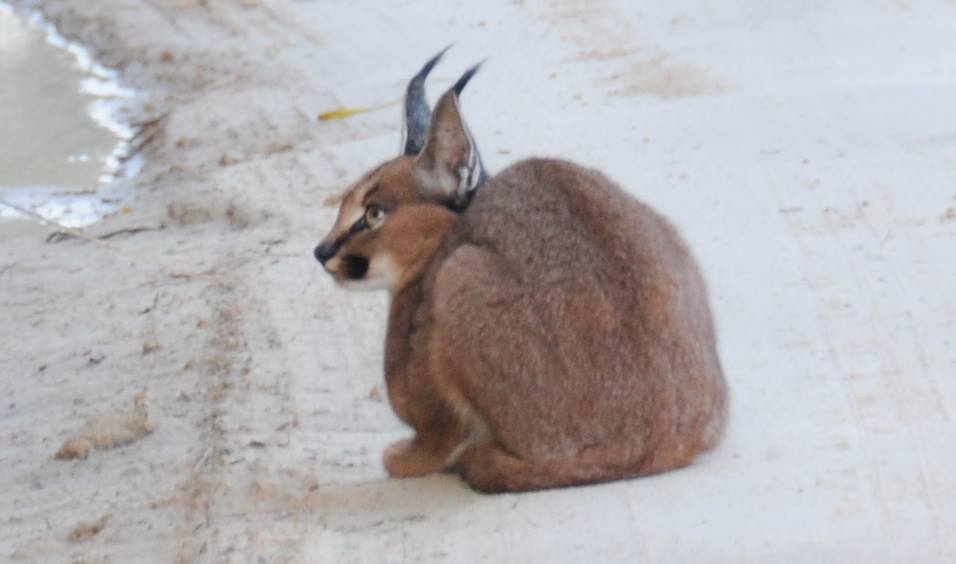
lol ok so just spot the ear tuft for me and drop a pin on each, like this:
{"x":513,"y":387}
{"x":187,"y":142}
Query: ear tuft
{"x":417,"y":115}
{"x":463,"y":81}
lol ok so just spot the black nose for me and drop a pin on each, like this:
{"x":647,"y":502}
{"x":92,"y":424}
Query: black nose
{"x":324,"y":252}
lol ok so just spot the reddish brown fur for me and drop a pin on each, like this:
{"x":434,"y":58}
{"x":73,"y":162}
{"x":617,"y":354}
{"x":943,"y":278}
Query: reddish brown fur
{"x":555,"y":332}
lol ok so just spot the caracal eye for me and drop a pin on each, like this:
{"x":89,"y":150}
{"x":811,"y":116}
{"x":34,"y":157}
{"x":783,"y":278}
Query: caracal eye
{"x":374,"y":215}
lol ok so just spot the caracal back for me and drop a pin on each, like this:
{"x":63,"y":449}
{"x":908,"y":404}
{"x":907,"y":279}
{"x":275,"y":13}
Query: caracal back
{"x":589,"y":340}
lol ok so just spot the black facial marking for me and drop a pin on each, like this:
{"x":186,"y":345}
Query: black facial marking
{"x":357,"y":227}
{"x":355,"y":267}
{"x":326,"y":251}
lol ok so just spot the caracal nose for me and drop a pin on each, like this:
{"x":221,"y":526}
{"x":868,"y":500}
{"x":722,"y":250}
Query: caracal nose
{"x":324,"y":252}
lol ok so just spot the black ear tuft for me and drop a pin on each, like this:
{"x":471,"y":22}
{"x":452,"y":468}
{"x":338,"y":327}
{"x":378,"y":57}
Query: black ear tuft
{"x":463,"y":81}
{"x":417,"y":114}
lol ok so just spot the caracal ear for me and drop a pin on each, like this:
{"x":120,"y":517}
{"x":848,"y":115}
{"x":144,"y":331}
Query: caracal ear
{"x":449,"y":166}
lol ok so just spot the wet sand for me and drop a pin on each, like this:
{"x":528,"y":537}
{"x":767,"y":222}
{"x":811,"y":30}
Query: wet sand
{"x":53,"y":153}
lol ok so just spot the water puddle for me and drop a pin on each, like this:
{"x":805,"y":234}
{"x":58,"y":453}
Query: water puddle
{"x":60,"y":142}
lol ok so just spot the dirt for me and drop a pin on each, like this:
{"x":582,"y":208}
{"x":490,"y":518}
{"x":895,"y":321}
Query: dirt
{"x":85,"y":531}
{"x":108,"y":431}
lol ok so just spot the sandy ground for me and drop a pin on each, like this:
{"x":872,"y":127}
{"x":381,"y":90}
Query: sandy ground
{"x":213,"y":397}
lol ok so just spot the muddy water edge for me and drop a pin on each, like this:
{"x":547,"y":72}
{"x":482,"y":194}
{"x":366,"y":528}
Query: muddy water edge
{"x":61,"y":145}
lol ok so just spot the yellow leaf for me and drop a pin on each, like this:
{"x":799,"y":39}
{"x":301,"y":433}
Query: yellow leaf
{"x":126,"y":209}
{"x":341,"y":113}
